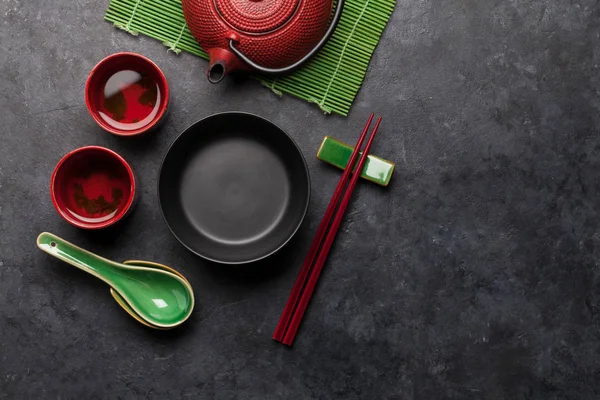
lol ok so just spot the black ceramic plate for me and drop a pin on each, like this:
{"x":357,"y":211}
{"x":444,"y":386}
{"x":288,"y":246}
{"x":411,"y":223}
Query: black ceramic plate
{"x":234,"y":188}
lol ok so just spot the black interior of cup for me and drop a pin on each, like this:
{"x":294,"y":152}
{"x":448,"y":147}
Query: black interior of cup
{"x":234,"y":188}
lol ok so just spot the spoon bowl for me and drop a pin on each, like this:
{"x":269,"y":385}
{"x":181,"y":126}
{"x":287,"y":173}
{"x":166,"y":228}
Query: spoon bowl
{"x":120,"y":301}
{"x":157,"y":296}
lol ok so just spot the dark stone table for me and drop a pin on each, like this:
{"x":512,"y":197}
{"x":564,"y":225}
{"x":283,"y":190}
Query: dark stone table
{"x":473,"y":276}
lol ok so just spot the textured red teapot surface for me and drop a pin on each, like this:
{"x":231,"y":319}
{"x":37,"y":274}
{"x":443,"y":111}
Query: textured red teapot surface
{"x":272,"y":33}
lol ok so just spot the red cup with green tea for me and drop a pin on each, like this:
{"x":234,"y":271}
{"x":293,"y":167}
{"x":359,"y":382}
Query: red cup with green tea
{"x":93,"y":187}
{"x":127,"y":94}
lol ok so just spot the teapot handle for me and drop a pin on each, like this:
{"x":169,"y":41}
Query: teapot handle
{"x":273,"y":71}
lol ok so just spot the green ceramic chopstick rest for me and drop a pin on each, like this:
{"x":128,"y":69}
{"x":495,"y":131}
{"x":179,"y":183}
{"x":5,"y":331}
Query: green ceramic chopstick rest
{"x":158,"y":297}
{"x":336,"y":153}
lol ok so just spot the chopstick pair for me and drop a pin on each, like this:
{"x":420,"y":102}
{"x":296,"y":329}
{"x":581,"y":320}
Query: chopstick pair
{"x":303,"y":288}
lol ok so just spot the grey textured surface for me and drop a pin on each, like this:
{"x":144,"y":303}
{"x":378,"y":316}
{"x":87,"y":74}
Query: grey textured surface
{"x":473,"y":276}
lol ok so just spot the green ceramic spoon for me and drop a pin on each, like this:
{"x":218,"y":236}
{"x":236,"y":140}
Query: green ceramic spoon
{"x":159,"y":297}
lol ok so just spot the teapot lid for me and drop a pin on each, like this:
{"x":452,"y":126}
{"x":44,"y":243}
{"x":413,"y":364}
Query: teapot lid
{"x":257,"y":16}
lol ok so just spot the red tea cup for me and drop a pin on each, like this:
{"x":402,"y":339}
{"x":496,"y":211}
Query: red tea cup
{"x":127,"y":94}
{"x":92,"y":187}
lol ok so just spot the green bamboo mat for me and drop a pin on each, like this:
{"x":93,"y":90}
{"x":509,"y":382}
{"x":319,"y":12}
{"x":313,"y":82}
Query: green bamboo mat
{"x":331,"y":79}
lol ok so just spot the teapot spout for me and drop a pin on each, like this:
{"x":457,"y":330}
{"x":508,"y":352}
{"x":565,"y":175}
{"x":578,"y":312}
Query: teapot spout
{"x":222,"y":62}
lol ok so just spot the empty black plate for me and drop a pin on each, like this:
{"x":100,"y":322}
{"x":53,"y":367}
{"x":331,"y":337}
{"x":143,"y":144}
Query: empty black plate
{"x":234,"y":188}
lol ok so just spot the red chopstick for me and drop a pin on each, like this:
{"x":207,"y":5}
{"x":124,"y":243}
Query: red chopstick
{"x":312,"y":281}
{"x":289,"y":329}
{"x":312,"y":252}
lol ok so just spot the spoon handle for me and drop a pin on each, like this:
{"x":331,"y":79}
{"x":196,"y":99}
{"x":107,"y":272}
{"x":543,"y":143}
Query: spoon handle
{"x":76,"y":256}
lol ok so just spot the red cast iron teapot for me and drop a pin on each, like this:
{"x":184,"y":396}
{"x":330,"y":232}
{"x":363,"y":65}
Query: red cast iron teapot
{"x":268,"y":36}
